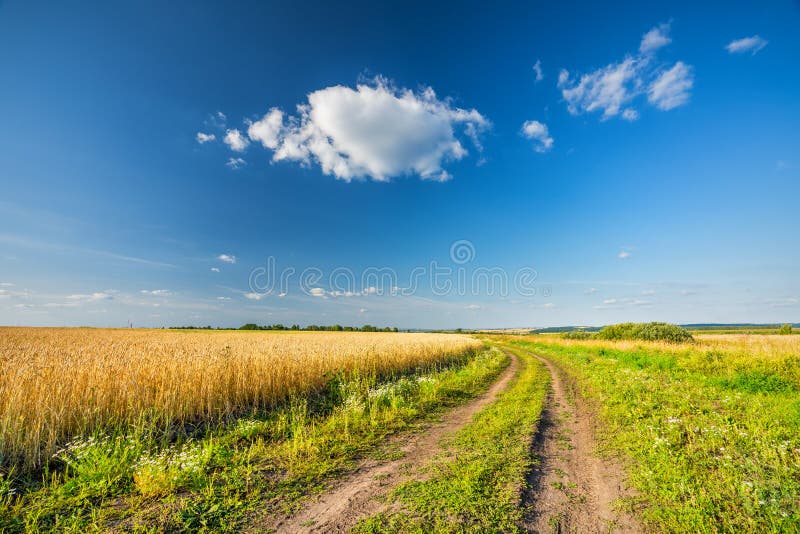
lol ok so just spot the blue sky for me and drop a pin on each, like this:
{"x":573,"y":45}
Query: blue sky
{"x":643,"y":161}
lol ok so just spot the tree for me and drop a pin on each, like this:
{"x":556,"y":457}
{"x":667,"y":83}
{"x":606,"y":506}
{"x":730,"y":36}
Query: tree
{"x":785,"y":329}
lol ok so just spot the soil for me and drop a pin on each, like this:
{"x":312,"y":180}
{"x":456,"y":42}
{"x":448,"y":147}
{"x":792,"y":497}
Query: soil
{"x":358,"y":495}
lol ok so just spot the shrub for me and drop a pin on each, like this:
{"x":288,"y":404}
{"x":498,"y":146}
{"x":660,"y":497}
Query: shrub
{"x":577,"y":334}
{"x":785,"y":329}
{"x":646,"y":332}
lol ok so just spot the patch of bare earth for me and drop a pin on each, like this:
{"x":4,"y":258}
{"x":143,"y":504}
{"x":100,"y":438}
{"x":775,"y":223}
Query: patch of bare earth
{"x":572,"y":489}
{"x":359,"y":495}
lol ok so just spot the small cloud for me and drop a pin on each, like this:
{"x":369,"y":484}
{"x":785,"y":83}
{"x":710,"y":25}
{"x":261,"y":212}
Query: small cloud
{"x":227,"y":258}
{"x":235,"y":140}
{"x":630,"y":114}
{"x":215,"y":269}
{"x":538,"y":132}
{"x":91,"y":297}
{"x":204,"y":138}
{"x":624,"y":255}
{"x":317,"y":292}
{"x":363,"y":310}
{"x":548,"y":305}
{"x":254,"y":296}
{"x":590,"y":291}
{"x":655,"y":39}
{"x":687,"y":292}
{"x":537,"y":68}
{"x":610,"y":301}
{"x":224,"y":298}
{"x":472,"y":307}
{"x":156,"y":292}
{"x":235,"y":163}
{"x":6,"y":284}
{"x":671,"y":88}
{"x":218,"y":120}
{"x":281,"y":295}
{"x":752,"y":44}
{"x":612,"y":88}
{"x":649,"y":292}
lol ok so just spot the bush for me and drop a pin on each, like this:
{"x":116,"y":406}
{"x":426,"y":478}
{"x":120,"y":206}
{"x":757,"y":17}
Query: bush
{"x":646,"y":332}
{"x":577,"y":334}
{"x":785,"y":329}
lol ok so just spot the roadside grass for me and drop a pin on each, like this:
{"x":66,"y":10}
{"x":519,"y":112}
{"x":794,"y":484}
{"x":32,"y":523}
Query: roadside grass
{"x":712,"y":429}
{"x":475,"y":486}
{"x":242,"y":471}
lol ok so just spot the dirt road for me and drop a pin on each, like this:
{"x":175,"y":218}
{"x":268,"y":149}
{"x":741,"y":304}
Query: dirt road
{"x":572,"y":489}
{"x":357,"y":496}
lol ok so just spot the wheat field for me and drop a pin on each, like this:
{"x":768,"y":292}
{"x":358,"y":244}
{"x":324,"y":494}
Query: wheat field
{"x":57,"y":383}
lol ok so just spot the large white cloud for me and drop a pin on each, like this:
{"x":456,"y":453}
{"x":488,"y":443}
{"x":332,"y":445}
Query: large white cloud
{"x":374,"y":130}
{"x":614,"y":88}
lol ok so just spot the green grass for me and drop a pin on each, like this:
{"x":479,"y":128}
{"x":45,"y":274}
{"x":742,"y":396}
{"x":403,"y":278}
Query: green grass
{"x":222,"y":478}
{"x":475,"y":486}
{"x":714,"y":439}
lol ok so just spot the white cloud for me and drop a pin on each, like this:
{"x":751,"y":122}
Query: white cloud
{"x":649,"y":292}
{"x":752,"y":44}
{"x":157,"y":292}
{"x":374,"y":130}
{"x":254,"y":296}
{"x":538,"y":132}
{"x":630,"y":114}
{"x":671,"y":88}
{"x":472,"y":307}
{"x":215,"y":269}
{"x":224,"y":298}
{"x":317,"y":292}
{"x":91,"y":297}
{"x":537,"y":68}
{"x":624,"y":254}
{"x":612,"y":89}
{"x":235,"y":140}
{"x":610,"y":301}
{"x":548,"y":305}
{"x":203,"y":138}
{"x":607,"y":89}
{"x":267,"y":131}
{"x":6,"y":284}
{"x":655,"y":39}
{"x":235,"y":163}
{"x":590,"y":291}
{"x":363,"y":310}
{"x":227,"y":258}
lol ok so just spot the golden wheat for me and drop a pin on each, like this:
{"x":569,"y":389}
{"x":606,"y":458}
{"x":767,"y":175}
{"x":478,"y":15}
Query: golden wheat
{"x":59,"y":383}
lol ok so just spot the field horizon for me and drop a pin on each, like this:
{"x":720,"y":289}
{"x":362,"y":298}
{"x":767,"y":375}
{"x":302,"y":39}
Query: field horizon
{"x":399,"y":267}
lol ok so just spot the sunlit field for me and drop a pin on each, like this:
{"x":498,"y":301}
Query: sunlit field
{"x":56,"y":384}
{"x":711,"y":429}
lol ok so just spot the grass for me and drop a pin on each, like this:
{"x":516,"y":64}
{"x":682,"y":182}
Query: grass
{"x":476,"y":485}
{"x":712,"y":428}
{"x":59,"y":383}
{"x":244,"y":470}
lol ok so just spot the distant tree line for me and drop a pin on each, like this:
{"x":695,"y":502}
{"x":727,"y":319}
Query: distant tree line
{"x":313,"y":327}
